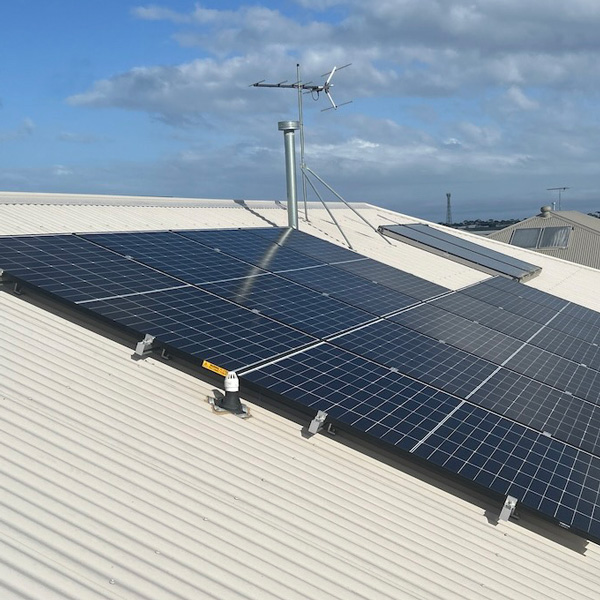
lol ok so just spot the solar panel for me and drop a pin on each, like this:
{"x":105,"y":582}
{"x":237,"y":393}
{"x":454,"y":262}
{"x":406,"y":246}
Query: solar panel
{"x":293,"y":304}
{"x":417,"y":355}
{"x":75,"y":269}
{"x":182,"y":258}
{"x":453,"y":247}
{"x":352,"y":289}
{"x":253,"y":249}
{"x":194,"y":322}
{"x":459,"y":331}
{"x":395,"y":279}
{"x":543,"y":408}
{"x":527,"y":292}
{"x":307,"y":244}
{"x":436,"y":380}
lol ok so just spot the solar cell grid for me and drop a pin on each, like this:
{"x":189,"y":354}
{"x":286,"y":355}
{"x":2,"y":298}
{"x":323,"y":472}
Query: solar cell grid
{"x":510,"y":302}
{"x":417,"y":355}
{"x":398,"y":280}
{"x":563,"y":344}
{"x":307,"y":244}
{"x":204,"y":326}
{"x":488,"y":315}
{"x":390,"y":379}
{"x":305,"y":309}
{"x":75,"y":269}
{"x":542,"y":407}
{"x":459,"y":332}
{"x":558,"y":372}
{"x":252,"y":248}
{"x":352,"y":289}
{"x":358,"y":393}
{"x":583,"y":314}
{"x":525,"y":291}
{"x":180,"y":257}
{"x":576,"y":327}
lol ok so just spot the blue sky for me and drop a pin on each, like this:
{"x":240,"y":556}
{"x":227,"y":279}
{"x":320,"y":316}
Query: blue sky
{"x":491,"y":100}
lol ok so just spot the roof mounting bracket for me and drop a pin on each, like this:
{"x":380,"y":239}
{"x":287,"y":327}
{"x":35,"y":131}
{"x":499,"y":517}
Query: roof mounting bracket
{"x":317,"y":423}
{"x":17,"y":289}
{"x":144,"y":347}
{"x":508,"y":510}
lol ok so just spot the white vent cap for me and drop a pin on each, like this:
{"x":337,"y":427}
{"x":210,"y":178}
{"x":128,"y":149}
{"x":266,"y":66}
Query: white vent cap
{"x":232,"y":383}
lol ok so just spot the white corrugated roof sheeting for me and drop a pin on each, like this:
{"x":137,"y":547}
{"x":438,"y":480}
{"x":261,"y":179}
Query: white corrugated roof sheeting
{"x":118,"y":481}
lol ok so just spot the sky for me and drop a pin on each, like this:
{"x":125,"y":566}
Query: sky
{"x":493,"y":101}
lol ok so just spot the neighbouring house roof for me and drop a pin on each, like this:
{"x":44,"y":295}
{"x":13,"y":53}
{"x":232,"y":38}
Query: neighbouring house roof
{"x":118,"y":481}
{"x":581,"y":243}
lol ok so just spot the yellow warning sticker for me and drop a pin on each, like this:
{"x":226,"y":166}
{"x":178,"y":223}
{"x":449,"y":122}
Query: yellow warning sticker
{"x":211,"y":367}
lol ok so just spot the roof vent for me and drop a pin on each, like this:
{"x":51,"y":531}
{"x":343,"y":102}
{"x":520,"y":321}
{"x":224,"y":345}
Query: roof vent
{"x":545,"y":211}
{"x":231,"y":401}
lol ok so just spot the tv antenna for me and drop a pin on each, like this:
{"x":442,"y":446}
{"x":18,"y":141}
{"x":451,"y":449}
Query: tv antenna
{"x":560,"y":190}
{"x":309,"y":87}
{"x":315,"y":91}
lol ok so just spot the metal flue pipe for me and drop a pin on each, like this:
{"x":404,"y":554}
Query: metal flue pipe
{"x":288,"y":128}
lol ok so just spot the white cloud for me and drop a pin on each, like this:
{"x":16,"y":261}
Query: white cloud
{"x":25,"y":129}
{"x":518,"y":99}
{"x":451,"y":91}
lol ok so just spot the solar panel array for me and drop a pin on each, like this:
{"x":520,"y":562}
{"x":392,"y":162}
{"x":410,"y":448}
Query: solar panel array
{"x":454,"y":247}
{"x":498,"y":383}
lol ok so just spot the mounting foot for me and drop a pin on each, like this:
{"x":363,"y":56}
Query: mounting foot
{"x":144,"y":347}
{"x":510,"y":504}
{"x":317,"y":423}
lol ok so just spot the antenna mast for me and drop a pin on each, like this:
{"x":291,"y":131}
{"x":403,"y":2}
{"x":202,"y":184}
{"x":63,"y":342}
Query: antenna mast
{"x":560,"y":190}
{"x":315,"y":91}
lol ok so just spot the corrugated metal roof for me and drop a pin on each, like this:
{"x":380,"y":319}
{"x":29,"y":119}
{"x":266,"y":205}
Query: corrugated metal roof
{"x":584,"y":239}
{"x":118,"y":481}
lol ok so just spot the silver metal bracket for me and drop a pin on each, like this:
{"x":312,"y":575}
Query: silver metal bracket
{"x":510,"y":504}
{"x":317,"y":423}
{"x":144,"y":347}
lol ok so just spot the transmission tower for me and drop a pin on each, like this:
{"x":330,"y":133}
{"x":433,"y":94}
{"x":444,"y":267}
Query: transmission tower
{"x":448,"y":209}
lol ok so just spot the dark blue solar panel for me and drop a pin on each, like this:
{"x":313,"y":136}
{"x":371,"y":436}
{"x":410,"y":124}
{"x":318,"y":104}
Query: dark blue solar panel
{"x":547,"y":337}
{"x":75,"y":269}
{"x":451,"y":246}
{"x":563,"y":344}
{"x":417,"y":355}
{"x":488,"y":315}
{"x":583,"y":330}
{"x":352,"y":289}
{"x":202,"y":325}
{"x":509,"y":302}
{"x":251,"y":248}
{"x":292,"y":304}
{"x":307,"y":244}
{"x":526,"y":292}
{"x":558,"y":372}
{"x":176,"y":255}
{"x":459,"y":332}
{"x":542,"y":407}
{"x":358,"y":393}
{"x":402,"y":282}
